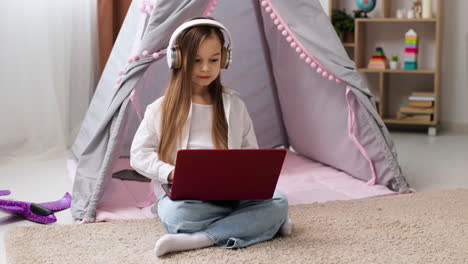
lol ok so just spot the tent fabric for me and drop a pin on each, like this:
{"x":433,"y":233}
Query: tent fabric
{"x":290,"y":68}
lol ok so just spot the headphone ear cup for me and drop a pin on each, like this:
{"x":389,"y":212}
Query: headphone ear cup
{"x":177,"y":62}
{"x":171,"y":57}
{"x":175,"y":55}
{"x":227,"y":57}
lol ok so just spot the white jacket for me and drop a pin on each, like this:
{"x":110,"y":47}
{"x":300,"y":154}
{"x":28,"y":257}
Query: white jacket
{"x":143,"y":156}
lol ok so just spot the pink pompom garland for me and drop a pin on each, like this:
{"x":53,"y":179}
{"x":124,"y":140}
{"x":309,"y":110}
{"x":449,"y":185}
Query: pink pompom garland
{"x":294,"y":43}
{"x":210,"y":8}
{"x":146,"y":7}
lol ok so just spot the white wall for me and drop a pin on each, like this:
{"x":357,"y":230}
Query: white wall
{"x":455,"y":65}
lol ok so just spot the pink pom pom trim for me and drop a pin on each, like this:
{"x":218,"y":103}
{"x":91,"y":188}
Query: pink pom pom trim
{"x":210,"y":8}
{"x":146,"y":6}
{"x":155,"y":55}
{"x":294,"y":43}
{"x":145,"y":53}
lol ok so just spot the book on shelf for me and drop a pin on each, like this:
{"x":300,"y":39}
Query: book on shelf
{"x":422,"y":96}
{"x":416,"y":110}
{"x":428,"y":103}
{"x":414,"y":117}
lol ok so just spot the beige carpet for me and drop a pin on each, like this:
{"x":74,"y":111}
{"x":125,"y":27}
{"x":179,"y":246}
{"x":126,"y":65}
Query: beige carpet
{"x":415,"y":228}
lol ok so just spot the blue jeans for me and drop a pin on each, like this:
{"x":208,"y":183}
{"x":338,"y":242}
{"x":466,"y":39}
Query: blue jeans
{"x":230,"y":224}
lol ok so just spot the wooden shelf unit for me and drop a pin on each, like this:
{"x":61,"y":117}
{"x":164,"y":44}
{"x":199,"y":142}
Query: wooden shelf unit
{"x":383,"y":76}
{"x":405,"y":122}
{"x":418,"y":71}
{"x":396,"y":20}
{"x":348,"y":44}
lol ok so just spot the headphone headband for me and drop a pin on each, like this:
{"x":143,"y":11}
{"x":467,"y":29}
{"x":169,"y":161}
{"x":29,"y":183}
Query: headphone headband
{"x":193,"y":23}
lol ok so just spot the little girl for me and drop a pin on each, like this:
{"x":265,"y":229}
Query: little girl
{"x":198,"y":112}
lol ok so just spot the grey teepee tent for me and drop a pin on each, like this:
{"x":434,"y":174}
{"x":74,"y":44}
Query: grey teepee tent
{"x":289,"y":66}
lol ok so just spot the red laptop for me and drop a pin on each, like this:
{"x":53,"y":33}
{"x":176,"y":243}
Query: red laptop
{"x":225,"y":174}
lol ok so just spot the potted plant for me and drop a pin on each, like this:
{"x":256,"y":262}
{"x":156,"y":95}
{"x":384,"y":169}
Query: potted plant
{"x":343,"y":24}
{"x":359,"y":13}
{"x":394,"y":62}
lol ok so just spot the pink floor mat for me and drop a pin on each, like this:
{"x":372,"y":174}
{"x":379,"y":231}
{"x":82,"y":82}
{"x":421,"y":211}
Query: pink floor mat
{"x":301,"y":180}
{"x":305,"y":181}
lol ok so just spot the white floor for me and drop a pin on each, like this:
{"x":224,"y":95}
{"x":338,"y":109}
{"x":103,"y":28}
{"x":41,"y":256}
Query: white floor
{"x":429,"y":163}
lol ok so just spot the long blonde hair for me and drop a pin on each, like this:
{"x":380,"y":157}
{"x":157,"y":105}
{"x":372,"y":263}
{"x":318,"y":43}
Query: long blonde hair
{"x":178,"y":95}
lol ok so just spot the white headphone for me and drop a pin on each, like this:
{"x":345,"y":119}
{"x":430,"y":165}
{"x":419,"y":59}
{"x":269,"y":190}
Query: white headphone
{"x":174,"y":55}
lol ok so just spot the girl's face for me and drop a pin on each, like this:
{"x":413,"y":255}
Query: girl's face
{"x":207,"y":64}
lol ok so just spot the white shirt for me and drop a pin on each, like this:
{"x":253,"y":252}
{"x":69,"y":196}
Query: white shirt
{"x":144,"y":158}
{"x":200,"y":127}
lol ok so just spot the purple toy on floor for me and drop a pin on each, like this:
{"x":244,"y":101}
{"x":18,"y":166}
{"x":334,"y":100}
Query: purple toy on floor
{"x":37,"y":212}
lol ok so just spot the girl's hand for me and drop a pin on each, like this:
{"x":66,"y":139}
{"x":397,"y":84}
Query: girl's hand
{"x":170,"y":177}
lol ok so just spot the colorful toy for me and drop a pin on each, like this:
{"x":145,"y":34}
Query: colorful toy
{"x":37,"y":212}
{"x":411,"y":50}
{"x":378,"y":60}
